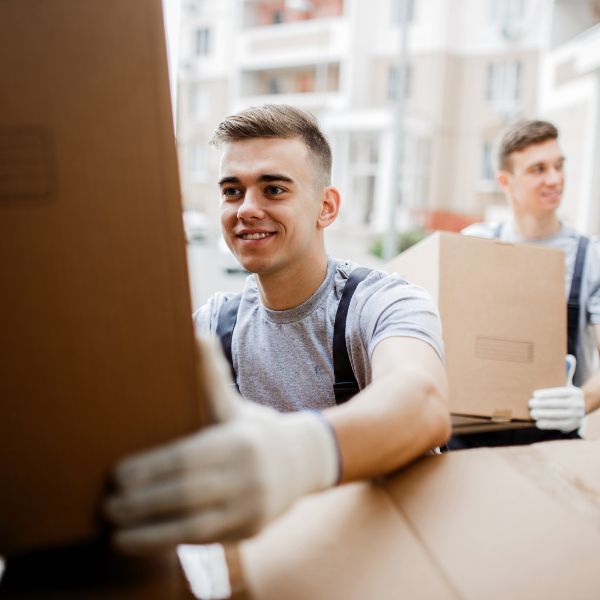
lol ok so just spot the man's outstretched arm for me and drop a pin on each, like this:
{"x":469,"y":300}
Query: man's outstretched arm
{"x":401,"y":415}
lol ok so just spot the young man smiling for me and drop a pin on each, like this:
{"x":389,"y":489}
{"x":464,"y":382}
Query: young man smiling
{"x":531,"y":174}
{"x":266,"y":449}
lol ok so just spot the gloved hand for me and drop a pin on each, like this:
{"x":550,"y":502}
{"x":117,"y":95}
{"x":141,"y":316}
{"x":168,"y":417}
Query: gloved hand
{"x":561,"y":408}
{"x":227,"y":481}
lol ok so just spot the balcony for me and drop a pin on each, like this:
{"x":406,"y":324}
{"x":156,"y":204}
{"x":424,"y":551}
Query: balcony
{"x":314,"y":85}
{"x":273,"y":13}
{"x":295,"y":43}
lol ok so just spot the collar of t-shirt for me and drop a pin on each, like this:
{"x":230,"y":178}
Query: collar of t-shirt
{"x":297,"y":313}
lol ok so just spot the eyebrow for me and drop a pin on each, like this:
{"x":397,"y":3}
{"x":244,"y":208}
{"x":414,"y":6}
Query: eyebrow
{"x":266,"y":178}
{"x":561,"y":159}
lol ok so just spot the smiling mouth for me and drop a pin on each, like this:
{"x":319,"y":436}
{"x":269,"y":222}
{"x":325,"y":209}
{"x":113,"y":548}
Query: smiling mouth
{"x":255,"y":236}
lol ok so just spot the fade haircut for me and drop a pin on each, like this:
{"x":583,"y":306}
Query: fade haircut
{"x":279,"y":121}
{"x":520,"y":136}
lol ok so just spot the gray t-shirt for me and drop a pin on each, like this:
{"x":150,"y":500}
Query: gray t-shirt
{"x":284,"y":358}
{"x":566,"y":240}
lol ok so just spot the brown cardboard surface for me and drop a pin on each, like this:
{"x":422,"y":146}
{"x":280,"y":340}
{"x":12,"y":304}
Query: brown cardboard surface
{"x":98,"y":356}
{"x":521,"y":522}
{"x":346,"y":543}
{"x":592,"y":426}
{"x":498,"y":516}
{"x":503,"y":315}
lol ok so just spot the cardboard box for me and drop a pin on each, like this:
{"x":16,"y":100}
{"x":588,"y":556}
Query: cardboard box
{"x":503,"y":316}
{"x":520,"y":522}
{"x":98,"y":351}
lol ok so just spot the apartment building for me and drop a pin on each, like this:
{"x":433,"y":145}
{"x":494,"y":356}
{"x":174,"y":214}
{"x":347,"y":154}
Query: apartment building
{"x":411,"y":94}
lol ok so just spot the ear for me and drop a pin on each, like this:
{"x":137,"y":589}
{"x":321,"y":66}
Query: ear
{"x":502,"y":177}
{"x":329,"y":208}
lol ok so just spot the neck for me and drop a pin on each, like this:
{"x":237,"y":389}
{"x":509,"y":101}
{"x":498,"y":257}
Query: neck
{"x":535,"y":226}
{"x":292,"y":286}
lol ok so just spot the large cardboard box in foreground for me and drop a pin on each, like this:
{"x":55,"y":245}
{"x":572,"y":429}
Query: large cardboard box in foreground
{"x":98,"y":352}
{"x":520,"y":522}
{"x":503,"y":315}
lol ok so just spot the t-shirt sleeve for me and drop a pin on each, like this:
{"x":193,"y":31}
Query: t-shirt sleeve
{"x":206,"y":317}
{"x":202,"y":318}
{"x":593,"y":270}
{"x":389,"y":306}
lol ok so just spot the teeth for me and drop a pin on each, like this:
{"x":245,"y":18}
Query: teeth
{"x":254,"y":236}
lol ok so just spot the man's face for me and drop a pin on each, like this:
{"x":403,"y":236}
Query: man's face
{"x":270,"y":203}
{"x":535,"y":184}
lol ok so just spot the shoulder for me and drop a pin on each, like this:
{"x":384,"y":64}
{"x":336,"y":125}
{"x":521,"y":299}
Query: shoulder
{"x":380,"y":291}
{"x":387,"y":305}
{"x":483,"y":230}
{"x":594,"y":243}
{"x":375,"y":284}
{"x":206,"y":317}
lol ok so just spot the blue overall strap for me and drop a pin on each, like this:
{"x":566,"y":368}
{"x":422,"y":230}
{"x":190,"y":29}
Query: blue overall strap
{"x":574,"y":304}
{"x":345,"y":385}
{"x":497,"y":231}
{"x":225,"y":325}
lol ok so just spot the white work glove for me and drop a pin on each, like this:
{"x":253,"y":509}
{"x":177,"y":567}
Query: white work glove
{"x":561,"y":408}
{"x":227,"y":481}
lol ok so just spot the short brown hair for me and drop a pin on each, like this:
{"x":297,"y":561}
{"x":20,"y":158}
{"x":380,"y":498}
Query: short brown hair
{"x":521,"y":135}
{"x":278,"y":121}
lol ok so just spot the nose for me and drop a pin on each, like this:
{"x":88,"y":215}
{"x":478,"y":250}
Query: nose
{"x":554,"y":176}
{"x":251,"y":206}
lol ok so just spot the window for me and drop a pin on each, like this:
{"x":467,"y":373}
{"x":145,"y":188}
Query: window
{"x":198,"y":159}
{"x":403,"y":11}
{"x":199,"y":103}
{"x":503,"y":81}
{"x":202,"y":41}
{"x":363,"y":157}
{"x":273,"y":86}
{"x":399,"y":82}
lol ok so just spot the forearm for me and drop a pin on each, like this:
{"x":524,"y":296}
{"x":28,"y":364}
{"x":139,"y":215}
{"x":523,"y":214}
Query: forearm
{"x":591,"y":391}
{"x":396,"y":419}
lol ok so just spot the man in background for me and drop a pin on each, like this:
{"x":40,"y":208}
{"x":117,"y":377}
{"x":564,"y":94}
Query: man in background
{"x":531,"y":174}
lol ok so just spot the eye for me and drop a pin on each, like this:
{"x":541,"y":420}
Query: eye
{"x":274,"y":190}
{"x":231,"y":193}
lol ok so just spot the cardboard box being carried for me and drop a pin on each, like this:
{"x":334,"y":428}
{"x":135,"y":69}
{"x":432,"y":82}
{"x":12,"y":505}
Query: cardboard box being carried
{"x":503,"y":316}
{"x":520,"y":522}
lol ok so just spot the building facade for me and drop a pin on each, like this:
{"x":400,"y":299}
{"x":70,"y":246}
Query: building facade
{"x":411,"y":93}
